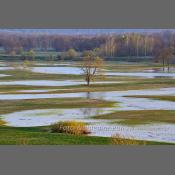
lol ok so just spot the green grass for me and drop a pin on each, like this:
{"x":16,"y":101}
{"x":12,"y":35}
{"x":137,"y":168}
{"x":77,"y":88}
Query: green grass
{"x":42,"y":136}
{"x":131,"y":122}
{"x":9,"y":106}
{"x":140,"y":116}
{"x":134,"y":67}
{"x":155,"y":97}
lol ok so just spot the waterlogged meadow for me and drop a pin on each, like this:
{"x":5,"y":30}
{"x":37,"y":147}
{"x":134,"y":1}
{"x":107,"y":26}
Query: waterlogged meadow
{"x":133,"y":100}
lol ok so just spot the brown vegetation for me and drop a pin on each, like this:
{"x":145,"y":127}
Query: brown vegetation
{"x":70,"y":127}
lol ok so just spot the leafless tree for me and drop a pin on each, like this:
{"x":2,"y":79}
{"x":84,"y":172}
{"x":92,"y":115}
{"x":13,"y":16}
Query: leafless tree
{"x":90,"y":66}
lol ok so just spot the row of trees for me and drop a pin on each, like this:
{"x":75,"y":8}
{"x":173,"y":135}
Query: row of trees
{"x":16,"y":42}
{"x":116,"y":45}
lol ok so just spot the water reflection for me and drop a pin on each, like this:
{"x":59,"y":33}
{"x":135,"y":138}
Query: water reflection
{"x":94,"y":95}
{"x":42,"y":117}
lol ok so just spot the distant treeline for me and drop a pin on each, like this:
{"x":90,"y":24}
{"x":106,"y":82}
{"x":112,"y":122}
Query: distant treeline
{"x":113,"y":45}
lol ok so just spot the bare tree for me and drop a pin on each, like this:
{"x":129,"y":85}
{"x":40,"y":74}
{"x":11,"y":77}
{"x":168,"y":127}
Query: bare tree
{"x":145,"y":45}
{"x":165,"y":55}
{"x":110,"y":46}
{"x":90,"y":66}
{"x":169,"y":57}
{"x":137,"y":44}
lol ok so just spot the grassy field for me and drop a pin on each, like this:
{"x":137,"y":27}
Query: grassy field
{"x":155,"y":97}
{"x":9,"y":106}
{"x":140,"y":116}
{"x":42,"y":136}
{"x":132,"y":67}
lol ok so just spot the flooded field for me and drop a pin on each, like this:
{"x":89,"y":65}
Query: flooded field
{"x":155,"y":131}
{"x":50,"y":116}
{"x":53,"y":83}
{"x":77,"y":71}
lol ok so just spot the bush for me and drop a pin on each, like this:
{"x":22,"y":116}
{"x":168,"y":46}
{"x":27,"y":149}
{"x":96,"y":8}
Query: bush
{"x":70,"y":127}
{"x":2,"y":122}
{"x":121,"y":140}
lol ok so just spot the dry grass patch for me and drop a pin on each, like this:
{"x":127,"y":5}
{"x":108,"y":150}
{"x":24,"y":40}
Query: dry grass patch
{"x":70,"y":127}
{"x":2,"y":122}
{"x":121,"y":140}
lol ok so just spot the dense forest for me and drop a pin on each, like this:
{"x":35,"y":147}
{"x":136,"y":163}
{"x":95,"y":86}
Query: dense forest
{"x":109,"y":45}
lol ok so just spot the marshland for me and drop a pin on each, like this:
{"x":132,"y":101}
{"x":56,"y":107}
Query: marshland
{"x":94,"y":89}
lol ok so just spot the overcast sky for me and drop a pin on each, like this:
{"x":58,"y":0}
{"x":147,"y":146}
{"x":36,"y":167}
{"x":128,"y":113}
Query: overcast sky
{"x":82,"y":31}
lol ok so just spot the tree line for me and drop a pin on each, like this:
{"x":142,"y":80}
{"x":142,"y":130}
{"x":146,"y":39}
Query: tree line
{"x":113,"y":45}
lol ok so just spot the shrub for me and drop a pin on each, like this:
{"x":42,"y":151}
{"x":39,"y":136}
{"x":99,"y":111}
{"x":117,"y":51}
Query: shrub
{"x":2,"y":122}
{"x":70,"y":127}
{"x":121,"y":140}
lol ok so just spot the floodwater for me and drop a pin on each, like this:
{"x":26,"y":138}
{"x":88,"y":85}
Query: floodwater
{"x":53,"y":83}
{"x":142,"y":74}
{"x":42,"y":117}
{"x":5,"y":68}
{"x":157,"y":132}
{"x":58,"y":70}
{"x":151,"y":132}
{"x":78,"y":71}
{"x":65,"y":68}
{"x":42,"y":83}
{"x":4,"y":75}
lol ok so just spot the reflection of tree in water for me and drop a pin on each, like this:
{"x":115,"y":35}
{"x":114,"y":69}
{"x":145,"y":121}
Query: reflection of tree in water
{"x":91,"y":111}
{"x":95,"y":95}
